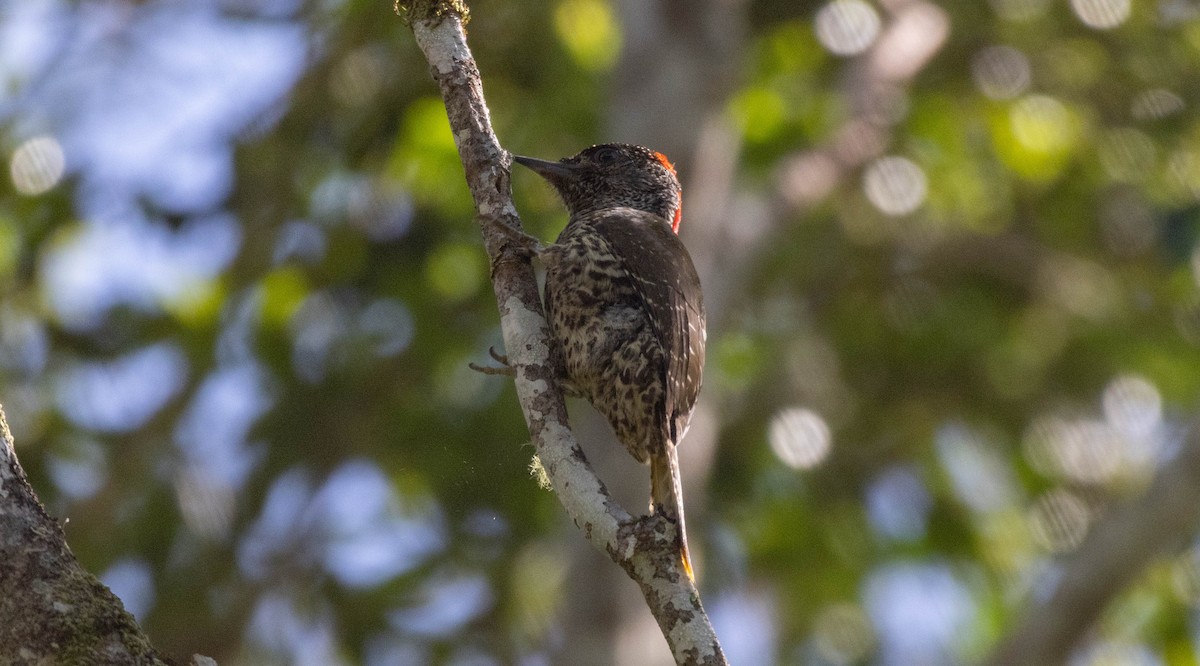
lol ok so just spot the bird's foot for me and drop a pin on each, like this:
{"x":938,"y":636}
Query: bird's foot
{"x":505,"y":369}
{"x":516,"y":243}
{"x":659,"y":509}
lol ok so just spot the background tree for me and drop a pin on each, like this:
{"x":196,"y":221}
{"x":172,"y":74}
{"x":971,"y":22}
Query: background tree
{"x":950,"y":253}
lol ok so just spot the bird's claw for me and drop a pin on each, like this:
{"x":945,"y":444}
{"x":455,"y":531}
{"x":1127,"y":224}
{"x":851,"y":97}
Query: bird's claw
{"x":516,"y":243}
{"x":487,"y":370}
{"x":505,"y":370}
{"x":502,"y":359}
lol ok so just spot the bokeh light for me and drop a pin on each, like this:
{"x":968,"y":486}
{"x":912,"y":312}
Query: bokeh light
{"x":1155,"y":104}
{"x":1059,"y":520}
{"x":446,"y":602}
{"x":373,"y":533}
{"x":1127,"y":154}
{"x":759,"y":112}
{"x":94,"y":267}
{"x":915,"y":34}
{"x":1080,"y":286}
{"x":1116,"y":652}
{"x":1102,"y":14}
{"x":808,"y":178}
{"x":895,"y":185}
{"x":1183,"y":169}
{"x":842,"y":634}
{"x":141,"y":126}
{"x":1041,"y":123}
{"x":1079,"y":450}
{"x":456,"y":385}
{"x":749,"y":620}
{"x":317,"y":327}
{"x":1133,"y":405}
{"x":980,"y":477}
{"x":123,"y":394}
{"x":359,"y":76}
{"x":300,"y":629}
{"x":37,"y":165}
{"x":327,"y":330}
{"x":206,"y":504}
{"x":1185,"y":576}
{"x":355,"y":525}
{"x":281,"y":293}
{"x":847,"y":27}
{"x":898,"y":505}
{"x":1120,"y":652}
{"x":213,"y":431}
{"x":799,"y":437}
{"x":1001,"y":72}
{"x":858,"y":141}
{"x":132,"y":580}
{"x":24,"y":342}
{"x":389,"y":326}
{"x":538,"y":574}
{"x":589,"y":31}
{"x":79,"y":467}
{"x":919,"y":611}
{"x":302,"y":241}
{"x":456,"y":271}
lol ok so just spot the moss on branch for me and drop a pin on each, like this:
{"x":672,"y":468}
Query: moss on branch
{"x":432,"y":10}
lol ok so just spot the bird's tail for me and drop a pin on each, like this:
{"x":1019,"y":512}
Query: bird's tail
{"x":666,"y":495}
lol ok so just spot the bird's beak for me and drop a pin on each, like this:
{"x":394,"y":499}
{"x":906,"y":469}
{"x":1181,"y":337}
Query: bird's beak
{"x":555,"y":172}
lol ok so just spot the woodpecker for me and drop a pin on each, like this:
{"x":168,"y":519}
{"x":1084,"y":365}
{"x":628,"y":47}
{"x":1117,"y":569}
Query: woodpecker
{"x":624,"y":304}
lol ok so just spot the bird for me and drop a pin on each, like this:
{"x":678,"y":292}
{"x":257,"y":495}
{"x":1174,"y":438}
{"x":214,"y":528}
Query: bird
{"x":625,"y":306}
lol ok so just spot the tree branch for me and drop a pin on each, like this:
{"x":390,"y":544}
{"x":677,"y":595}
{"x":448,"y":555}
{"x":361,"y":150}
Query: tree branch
{"x":643,"y":547}
{"x":51,"y":609}
{"x":1118,"y":549}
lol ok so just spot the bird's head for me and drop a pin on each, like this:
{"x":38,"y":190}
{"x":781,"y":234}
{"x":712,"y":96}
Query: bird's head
{"x":612,"y":175}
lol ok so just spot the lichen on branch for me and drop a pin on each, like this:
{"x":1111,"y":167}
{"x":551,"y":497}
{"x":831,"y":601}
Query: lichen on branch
{"x":641,"y":546}
{"x":431,"y":10}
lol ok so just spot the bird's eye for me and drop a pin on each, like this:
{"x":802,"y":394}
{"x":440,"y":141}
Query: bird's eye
{"x":607,"y":156}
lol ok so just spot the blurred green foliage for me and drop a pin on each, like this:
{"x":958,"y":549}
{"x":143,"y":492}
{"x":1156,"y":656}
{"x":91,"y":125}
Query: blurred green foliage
{"x":1026,"y":330}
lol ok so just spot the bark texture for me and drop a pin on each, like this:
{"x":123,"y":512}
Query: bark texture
{"x":52,"y":611}
{"x":643,"y":547}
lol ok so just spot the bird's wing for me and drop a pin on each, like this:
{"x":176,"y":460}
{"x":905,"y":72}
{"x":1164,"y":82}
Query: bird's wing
{"x":665,"y":278}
